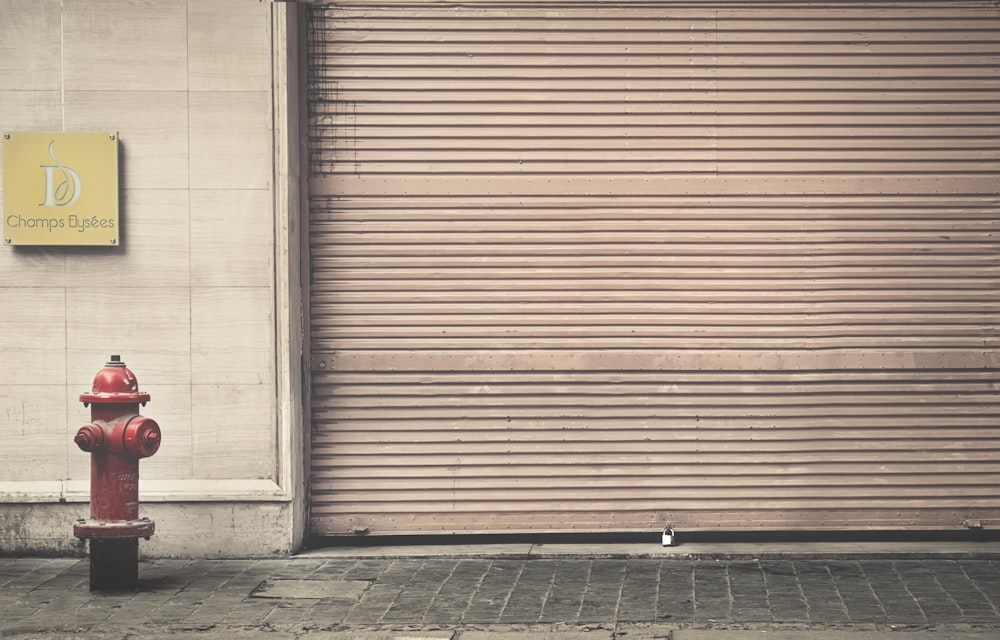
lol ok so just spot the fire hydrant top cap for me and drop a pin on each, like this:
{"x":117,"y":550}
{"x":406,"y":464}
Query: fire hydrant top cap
{"x":115,"y":383}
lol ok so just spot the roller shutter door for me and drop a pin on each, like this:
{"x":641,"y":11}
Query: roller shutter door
{"x":711,"y":264}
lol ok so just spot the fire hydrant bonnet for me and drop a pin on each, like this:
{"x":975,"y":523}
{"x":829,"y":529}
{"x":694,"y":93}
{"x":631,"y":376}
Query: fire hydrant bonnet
{"x":114,"y":384}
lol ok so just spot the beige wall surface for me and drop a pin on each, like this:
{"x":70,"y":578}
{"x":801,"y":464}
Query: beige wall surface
{"x":188,"y":299}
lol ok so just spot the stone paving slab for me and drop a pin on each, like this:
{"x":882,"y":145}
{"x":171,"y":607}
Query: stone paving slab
{"x":317,"y":589}
{"x":380,"y":635}
{"x":577,"y":634}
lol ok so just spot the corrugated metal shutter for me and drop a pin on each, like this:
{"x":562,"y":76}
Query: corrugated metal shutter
{"x":714,"y":264}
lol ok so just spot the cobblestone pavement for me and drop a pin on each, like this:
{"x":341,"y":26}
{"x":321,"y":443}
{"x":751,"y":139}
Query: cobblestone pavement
{"x":299,"y":595}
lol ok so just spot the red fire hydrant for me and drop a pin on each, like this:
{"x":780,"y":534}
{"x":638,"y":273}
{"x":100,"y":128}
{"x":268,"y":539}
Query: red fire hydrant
{"x":117,"y":438}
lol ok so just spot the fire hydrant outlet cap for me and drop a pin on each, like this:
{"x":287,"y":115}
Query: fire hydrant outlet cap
{"x":142,"y":437}
{"x":90,"y":437}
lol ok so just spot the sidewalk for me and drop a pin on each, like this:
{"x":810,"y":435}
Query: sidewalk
{"x":637,"y":592}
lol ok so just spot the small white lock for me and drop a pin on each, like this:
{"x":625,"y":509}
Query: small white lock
{"x":668,"y":537}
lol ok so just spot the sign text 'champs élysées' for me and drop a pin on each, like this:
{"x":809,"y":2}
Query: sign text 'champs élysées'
{"x":60,"y":188}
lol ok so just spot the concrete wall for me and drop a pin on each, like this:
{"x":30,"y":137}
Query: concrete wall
{"x":188,"y":299}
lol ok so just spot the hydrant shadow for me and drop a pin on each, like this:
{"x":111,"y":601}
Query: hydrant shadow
{"x":161,"y":584}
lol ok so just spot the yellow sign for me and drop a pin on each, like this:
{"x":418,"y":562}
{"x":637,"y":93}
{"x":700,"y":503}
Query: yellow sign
{"x":60,"y":188}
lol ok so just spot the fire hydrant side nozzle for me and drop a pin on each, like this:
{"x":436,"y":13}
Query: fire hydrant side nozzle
{"x":89,"y":438}
{"x":141,"y":437}
{"x":117,"y":438}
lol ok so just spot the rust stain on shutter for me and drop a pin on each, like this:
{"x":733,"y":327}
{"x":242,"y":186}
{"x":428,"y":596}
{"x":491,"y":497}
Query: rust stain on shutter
{"x":712,"y":264}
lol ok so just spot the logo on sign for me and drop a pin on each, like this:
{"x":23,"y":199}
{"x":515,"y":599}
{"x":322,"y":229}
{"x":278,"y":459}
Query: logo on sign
{"x":62,"y":184}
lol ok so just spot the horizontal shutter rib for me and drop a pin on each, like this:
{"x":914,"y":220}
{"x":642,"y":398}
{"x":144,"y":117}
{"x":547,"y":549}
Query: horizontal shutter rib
{"x":701,"y":263}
